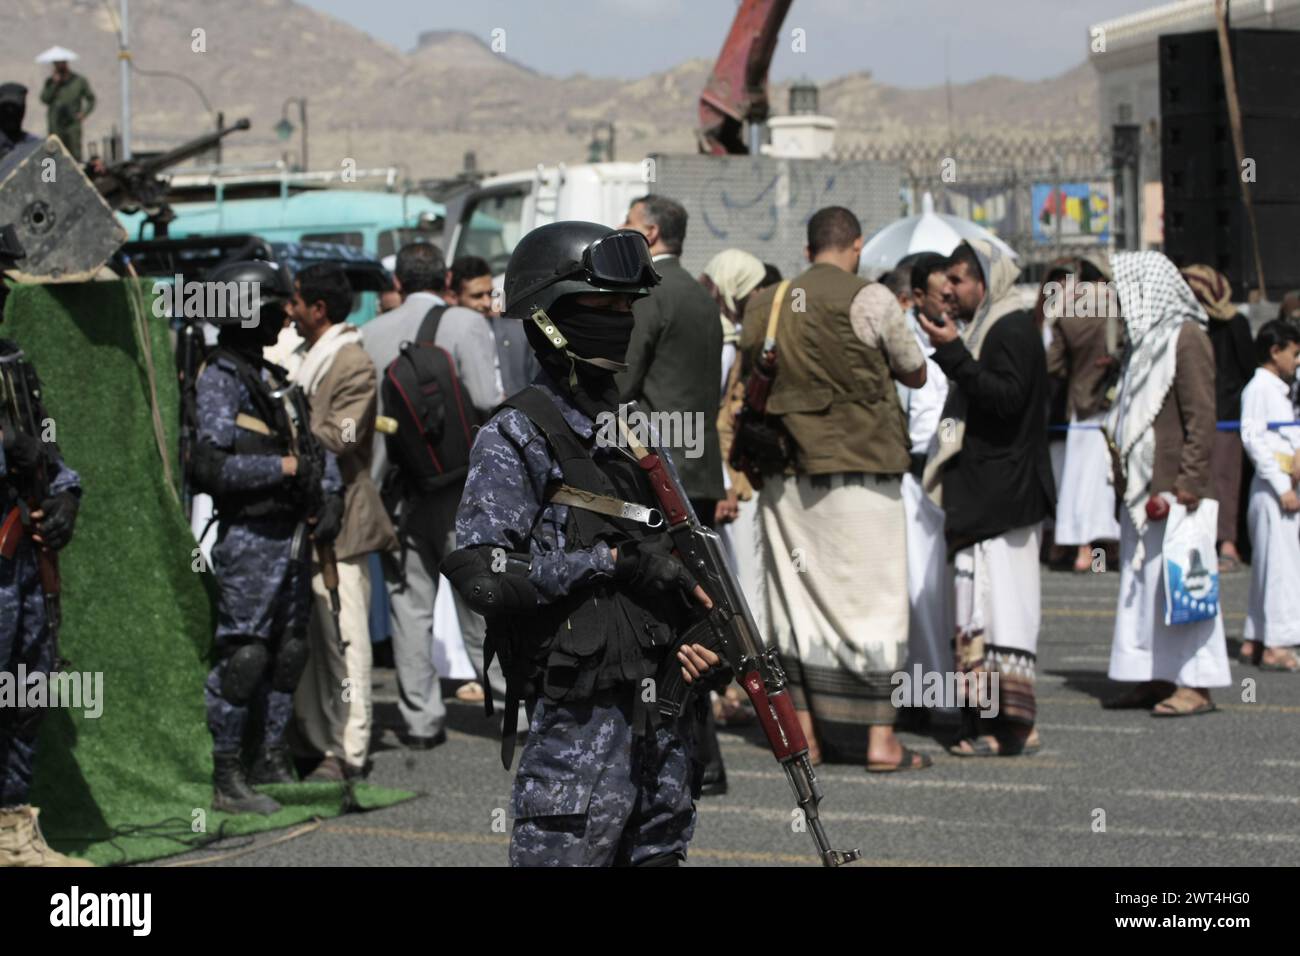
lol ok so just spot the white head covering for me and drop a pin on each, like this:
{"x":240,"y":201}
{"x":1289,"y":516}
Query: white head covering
{"x":735,"y":274}
{"x":57,"y":54}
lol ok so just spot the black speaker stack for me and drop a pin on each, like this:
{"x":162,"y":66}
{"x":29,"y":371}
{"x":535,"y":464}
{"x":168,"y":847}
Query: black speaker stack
{"x":1205,"y":218}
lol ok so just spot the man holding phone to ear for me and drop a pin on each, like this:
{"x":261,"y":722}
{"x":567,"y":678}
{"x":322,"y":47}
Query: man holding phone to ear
{"x":991,"y":474}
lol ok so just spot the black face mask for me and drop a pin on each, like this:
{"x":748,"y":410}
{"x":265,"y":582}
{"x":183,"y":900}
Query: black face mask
{"x":11,"y":120}
{"x":257,"y":337}
{"x":592,"y":332}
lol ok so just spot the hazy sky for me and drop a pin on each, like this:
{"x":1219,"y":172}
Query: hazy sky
{"x":900,"y":41}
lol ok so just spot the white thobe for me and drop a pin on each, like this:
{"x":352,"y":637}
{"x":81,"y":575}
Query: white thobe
{"x":929,"y":576}
{"x":1144,"y":647}
{"x":1273,"y":613}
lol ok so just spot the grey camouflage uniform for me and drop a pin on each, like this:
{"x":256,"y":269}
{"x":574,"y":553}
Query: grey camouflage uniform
{"x":264,"y":586}
{"x":24,"y":638}
{"x":588,"y":792}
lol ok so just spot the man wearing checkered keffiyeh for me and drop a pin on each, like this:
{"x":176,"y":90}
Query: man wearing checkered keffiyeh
{"x":1162,"y":433}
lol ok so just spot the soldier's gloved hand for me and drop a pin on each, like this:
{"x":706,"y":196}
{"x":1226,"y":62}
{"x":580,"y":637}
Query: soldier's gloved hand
{"x":55,"y":520}
{"x":22,"y":451}
{"x":649,"y":567}
{"x":330,"y":520}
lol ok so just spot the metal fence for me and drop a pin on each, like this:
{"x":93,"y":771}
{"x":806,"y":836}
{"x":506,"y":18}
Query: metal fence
{"x":1045,"y":197}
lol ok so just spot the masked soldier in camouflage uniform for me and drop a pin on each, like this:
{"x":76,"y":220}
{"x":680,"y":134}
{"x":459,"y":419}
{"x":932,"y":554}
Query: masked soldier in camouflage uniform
{"x":586,"y":609}
{"x":268,"y":502}
{"x":27,"y":645}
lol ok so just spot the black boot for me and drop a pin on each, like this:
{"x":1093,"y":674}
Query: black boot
{"x":713,"y":781}
{"x":230,"y":791}
{"x":272,"y":766}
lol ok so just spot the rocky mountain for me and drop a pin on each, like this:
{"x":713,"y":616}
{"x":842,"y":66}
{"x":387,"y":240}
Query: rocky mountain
{"x":423,"y":109}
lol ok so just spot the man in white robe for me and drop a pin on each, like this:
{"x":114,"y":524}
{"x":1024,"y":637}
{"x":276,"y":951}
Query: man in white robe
{"x":1162,"y":425}
{"x":1273,"y":615}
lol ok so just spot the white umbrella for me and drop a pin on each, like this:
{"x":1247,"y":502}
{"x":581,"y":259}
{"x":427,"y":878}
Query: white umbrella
{"x":929,"y":232}
{"x":57,"y":54}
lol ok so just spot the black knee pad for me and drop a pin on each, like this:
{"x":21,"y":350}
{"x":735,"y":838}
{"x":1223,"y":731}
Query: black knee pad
{"x":244,"y":670}
{"x":21,"y":722}
{"x":666,"y":859}
{"x":290,"y":660}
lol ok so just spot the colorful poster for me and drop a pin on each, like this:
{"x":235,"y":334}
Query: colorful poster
{"x":1080,"y":211}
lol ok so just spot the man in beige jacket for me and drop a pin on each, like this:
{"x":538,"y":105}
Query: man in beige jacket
{"x":333,"y":703}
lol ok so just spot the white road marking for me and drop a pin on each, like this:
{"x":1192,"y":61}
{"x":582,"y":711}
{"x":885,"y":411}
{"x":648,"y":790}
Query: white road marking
{"x":1081,"y":828}
{"x":1094,"y":728}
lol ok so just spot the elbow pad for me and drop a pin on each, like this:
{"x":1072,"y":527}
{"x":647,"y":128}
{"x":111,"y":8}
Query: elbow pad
{"x":205,"y":468}
{"x":491,"y":580}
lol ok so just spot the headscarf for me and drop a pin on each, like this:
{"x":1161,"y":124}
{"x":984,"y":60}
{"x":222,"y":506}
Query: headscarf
{"x":1000,"y":300}
{"x":730,"y":276}
{"x":1212,"y":290}
{"x":1155,"y":302}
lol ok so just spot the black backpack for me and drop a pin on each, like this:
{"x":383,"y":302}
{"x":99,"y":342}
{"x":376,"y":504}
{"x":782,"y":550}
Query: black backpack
{"x":421,"y":391}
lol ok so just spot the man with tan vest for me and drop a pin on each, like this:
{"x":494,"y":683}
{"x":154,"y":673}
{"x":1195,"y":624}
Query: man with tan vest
{"x":833,"y":523}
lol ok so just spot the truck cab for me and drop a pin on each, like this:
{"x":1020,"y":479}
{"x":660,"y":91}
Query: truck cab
{"x":488,"y":221}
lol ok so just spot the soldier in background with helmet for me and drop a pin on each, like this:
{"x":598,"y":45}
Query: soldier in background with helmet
{"x":587,"y":610}
{"x":270,"y":505}
{"x":13,"y":110}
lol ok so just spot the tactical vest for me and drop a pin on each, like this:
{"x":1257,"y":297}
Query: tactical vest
{"x":833,"y":392}
{"x":264,"y":432}
{"x":601,"y":637}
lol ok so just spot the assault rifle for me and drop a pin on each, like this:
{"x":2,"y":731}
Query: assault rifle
{"x":730,"y":628}
{"x":19,"y":400}
{"x":307,"y":448}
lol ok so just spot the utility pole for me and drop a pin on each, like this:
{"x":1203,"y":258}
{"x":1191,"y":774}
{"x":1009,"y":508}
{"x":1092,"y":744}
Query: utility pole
{"x":124,"y":62}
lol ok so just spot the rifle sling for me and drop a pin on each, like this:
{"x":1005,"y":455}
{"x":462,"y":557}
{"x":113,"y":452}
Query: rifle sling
{"x":604,"y":504}
{"x":774,"y":317}
{"x":252,"y":424}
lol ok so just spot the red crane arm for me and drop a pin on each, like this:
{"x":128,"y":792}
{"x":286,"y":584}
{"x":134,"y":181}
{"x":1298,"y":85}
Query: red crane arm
{"x":737,"y":87}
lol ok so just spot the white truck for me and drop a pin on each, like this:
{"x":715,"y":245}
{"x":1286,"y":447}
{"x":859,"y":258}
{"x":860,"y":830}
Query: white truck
{"x":758,"y":203}
{"x":495,"y":215}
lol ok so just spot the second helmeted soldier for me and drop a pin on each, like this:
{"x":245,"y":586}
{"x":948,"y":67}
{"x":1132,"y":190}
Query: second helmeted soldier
{"x":271,"y":503}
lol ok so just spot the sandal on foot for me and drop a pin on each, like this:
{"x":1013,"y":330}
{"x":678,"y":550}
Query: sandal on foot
{"x":979,"y":747}
{"x":905,"y":762}
{"x":1289,"y":663}
{"x":1228,"y":564}
{"x":1018,"y":749}
{"x":1178,"y":710}
{"x":471,"y":692}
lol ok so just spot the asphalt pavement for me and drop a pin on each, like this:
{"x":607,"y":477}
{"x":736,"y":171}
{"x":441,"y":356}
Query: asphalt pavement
{"x":1115,"y":788}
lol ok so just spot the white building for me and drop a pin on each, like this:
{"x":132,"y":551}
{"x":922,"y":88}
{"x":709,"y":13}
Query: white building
{"x":1125,"y":51}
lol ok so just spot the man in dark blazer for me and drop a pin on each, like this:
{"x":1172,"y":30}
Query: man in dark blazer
{"x":991,"y":474}
{"x":675,"y":365}
{"x":675,"y":359}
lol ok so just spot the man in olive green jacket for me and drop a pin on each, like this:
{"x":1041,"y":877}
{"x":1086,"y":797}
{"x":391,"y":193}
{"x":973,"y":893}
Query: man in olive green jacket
{"x":70,"y":100}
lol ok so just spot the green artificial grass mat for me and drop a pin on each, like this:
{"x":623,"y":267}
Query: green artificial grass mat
{"x":133,"y":783}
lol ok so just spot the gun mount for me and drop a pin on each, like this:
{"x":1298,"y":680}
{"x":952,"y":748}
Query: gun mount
{"x":136,"y":184}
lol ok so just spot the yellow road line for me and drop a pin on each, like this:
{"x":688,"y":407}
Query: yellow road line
{"x":478,"y":839}
{"x":1085,"y":612}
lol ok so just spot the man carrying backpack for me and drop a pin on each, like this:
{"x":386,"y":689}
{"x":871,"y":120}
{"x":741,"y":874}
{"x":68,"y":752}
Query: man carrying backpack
{"x":437,"y":380}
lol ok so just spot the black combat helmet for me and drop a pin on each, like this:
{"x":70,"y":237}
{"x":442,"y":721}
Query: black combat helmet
{"x":567,"y":258}
{"x":273,"y":286}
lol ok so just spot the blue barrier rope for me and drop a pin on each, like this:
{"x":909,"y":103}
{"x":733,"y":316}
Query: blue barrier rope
{"x":1221,"y":426}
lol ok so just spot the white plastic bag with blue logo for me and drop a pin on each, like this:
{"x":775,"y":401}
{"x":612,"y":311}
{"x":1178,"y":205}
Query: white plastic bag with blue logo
{"x":1191,"y":563}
